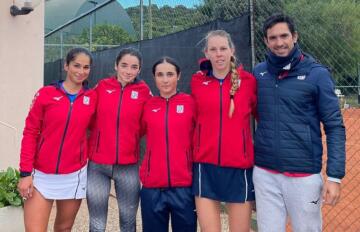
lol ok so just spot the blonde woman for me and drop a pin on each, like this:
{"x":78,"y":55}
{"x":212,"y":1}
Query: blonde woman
{"x":225,"y":97}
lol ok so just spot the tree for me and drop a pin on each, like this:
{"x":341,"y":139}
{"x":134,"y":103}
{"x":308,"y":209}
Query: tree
{"x":104,"y":34}
{"x":165,"y":20}
{"x":330,"y":31}
{"x":222,"y":9}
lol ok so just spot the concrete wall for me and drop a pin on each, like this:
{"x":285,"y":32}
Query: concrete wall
{"x":21,"y":74}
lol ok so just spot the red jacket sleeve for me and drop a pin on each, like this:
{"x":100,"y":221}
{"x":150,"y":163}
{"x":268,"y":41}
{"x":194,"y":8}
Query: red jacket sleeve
{"x":93,"y":117}
{"x":31,"y":133}
{"x":254,"y":101}
{"x":142,"y":120}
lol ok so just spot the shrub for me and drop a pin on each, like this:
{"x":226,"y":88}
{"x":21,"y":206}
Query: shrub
{"x":9,"y":194}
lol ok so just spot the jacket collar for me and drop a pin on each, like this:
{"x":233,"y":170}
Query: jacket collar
{"x":296,"y":63}
{"x":135,"y":81}
{"x":206,"y":68}
{"x":57,"y":84}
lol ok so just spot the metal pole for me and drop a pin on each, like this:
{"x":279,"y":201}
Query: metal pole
{"x":252,"y":46}
{"x":141,"y":19}
{"x":150,"y":19}
{"x":61,"y":45}
{"x":94,"y":6}
{"x":252,"y":34}
{"x":90,"y":32}
{"x":79,"y":17}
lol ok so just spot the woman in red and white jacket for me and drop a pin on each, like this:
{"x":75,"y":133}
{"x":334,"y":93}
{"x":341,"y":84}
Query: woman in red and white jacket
{"x":114,"y":142}
{"x":166,"y":171}
{"x":225,"y":98}
{"x":54,"y":147}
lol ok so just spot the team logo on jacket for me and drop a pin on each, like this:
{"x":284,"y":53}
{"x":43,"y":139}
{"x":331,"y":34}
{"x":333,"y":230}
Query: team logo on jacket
{"x":287,"y":67}
{"x":301,"y":77}
{"x":134,"y":94}
{"x":86,"y":100}
{"x":180,"y":109}
{"x":155,"y":110}
{"x":110,"y":91}
{"x":57,"y":98}
{"x":206,"y":82}
{"x":263,"y":73}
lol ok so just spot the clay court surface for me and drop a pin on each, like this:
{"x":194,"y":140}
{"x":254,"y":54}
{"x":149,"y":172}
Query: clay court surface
{"x":346,"y":215}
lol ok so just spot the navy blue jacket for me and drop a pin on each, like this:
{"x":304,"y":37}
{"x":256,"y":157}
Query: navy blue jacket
{"x":290,"y":109}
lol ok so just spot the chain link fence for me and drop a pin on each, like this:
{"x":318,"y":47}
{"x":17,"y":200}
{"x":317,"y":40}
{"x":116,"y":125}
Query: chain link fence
{"x":328,"y":29}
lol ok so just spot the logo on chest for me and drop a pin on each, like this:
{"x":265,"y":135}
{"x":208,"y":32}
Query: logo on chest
{"x":156,"y":110}
{"x":263,"y":73}
{"x":180,"y":109}
{"x":86,"y":100}
{"x":206,"y":82}
{"x":301,"y":77}
{"x":57,"y":98}
{"x":110,"y":91}
{"x":134,"y":94}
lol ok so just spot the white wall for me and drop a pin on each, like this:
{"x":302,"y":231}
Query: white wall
{"x":21,"y":74}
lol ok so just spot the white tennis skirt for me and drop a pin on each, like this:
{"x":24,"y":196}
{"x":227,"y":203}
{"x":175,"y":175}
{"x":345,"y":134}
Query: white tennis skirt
{"x":61,"y":186}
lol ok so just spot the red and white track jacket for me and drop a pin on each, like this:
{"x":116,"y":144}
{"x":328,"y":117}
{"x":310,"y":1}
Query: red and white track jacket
{"x":168,"y":125}
{"x":218,"y":139}
{"x":115,"y":133}
{"x":55,"y":139}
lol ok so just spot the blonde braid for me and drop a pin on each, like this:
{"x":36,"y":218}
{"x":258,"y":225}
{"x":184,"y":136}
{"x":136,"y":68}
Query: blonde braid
{"x":235,"y":84}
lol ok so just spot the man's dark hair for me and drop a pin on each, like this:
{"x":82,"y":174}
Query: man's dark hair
{"x":278,"y":18}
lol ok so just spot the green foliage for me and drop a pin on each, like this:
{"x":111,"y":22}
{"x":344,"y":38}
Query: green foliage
{"x":262,"y":10}
{"x":330,"y":30}
{"x":224,"y":9}
{"x":165,"y":20}
{"x":102,"y":35}
{"x":105,"y":34}
{"x":8,"y":188}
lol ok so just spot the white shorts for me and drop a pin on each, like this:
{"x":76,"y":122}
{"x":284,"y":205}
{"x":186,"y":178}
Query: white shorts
{"x":61,"y":186}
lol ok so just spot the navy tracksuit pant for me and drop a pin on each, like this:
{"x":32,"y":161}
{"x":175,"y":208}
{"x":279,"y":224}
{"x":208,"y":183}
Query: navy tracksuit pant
{"x":158,"y":204}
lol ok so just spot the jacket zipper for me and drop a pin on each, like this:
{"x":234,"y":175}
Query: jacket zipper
{"x":276,"y":119}
{"x":118,"y":124}
{"x":63,"y":137}
{"x":220,"y":128}
{"x":167,"y":140}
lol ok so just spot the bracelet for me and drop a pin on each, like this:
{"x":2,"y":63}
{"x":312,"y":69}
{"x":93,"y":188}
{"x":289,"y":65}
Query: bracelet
{"x":25,"y":174}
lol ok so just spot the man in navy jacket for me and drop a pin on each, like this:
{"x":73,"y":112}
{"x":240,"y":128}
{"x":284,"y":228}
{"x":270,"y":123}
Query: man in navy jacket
{"x":295,"y":95}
